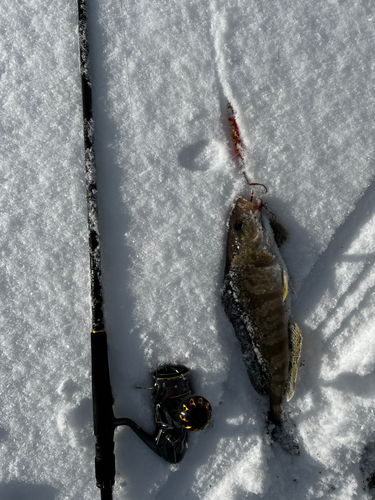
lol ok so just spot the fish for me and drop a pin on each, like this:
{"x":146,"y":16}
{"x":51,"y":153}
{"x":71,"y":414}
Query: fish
{"x":256,"y":299}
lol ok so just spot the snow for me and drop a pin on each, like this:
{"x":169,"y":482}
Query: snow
{"x":300,"y":77}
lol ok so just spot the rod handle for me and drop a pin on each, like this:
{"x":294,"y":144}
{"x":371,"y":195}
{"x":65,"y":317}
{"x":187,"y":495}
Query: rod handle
{"x":105,"y":461}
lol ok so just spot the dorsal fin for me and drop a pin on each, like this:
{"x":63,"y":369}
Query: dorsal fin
{"x":285,"y":285}
{"x":295,"y":339}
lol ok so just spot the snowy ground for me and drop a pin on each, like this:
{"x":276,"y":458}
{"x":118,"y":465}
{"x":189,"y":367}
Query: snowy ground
{"x":300,"y":75}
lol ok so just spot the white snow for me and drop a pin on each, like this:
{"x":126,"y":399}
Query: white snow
{"x":300,"y":76}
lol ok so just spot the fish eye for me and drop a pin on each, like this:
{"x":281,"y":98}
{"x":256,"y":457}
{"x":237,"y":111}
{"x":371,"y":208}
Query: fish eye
{"x":237,"y":225}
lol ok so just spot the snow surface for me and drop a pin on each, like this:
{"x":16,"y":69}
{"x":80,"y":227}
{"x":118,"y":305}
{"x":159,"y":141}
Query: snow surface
{"x":300,"y":75}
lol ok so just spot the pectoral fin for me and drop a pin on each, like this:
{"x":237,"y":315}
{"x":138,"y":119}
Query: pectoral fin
{"x":279,"y":231}
{"x":295,"y":340}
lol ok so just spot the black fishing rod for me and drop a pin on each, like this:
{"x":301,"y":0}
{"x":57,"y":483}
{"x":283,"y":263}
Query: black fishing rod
{"x":177,"y":410}
{"x":101,"y":386}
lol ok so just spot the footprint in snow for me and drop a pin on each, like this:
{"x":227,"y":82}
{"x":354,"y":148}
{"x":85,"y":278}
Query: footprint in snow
{"x":196,"y":156}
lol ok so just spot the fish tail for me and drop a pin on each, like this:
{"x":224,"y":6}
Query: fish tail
{"x":284,"y":432}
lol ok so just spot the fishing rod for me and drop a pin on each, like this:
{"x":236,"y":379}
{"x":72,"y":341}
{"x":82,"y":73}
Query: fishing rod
{"x":177,"y":409}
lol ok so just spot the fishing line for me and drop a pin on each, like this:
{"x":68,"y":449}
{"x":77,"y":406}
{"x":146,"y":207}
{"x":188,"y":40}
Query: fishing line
{"x":139,"y":187}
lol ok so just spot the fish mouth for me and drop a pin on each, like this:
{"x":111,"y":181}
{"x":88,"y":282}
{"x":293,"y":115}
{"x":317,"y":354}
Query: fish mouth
{"x":251,"y":206}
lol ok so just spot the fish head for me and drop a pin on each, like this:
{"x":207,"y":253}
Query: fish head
{"x":245,"y":228}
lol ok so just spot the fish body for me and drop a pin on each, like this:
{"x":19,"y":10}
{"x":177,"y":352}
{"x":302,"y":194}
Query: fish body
{"x":257,"y":303}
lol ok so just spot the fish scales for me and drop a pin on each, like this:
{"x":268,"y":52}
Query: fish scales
{"x":256,"y":301}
